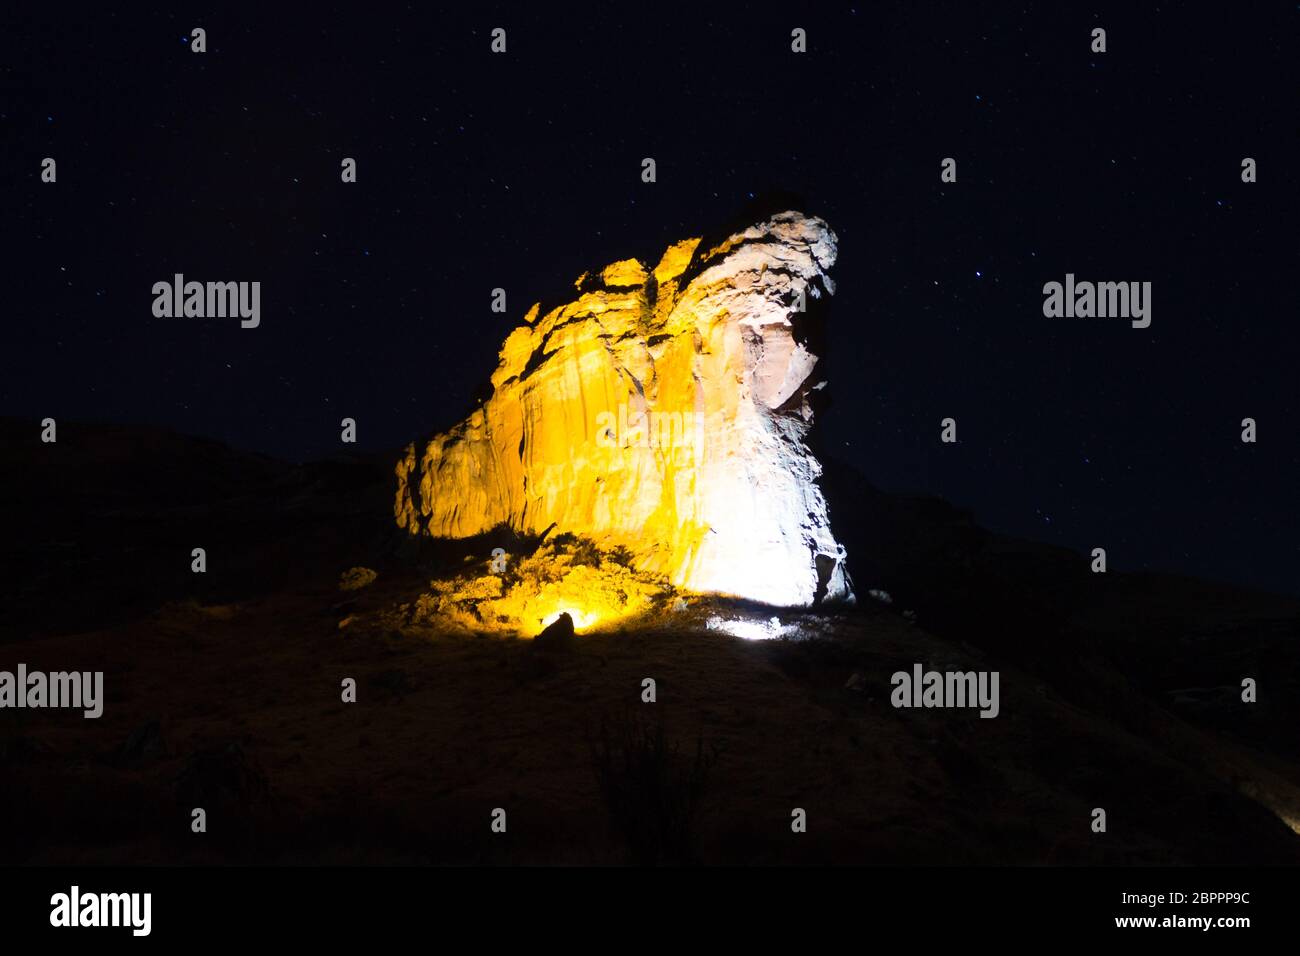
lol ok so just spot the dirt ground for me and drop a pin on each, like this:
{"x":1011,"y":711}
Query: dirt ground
{"x":227,"y":696}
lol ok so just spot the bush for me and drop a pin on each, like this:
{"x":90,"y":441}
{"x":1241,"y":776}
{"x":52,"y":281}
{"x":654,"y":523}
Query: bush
{"x":651,"y":791}
{"x":568,"y":574}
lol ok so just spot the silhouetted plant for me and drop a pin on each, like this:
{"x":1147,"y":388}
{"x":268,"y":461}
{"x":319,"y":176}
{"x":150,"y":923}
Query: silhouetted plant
{"x":651,"y":790}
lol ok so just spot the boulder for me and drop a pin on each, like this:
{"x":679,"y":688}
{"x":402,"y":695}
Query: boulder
{"x":661,"y":412}
{"x":556,"y":635}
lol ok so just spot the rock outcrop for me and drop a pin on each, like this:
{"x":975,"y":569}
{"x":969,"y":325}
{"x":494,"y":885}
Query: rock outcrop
{"x":661,"y":411}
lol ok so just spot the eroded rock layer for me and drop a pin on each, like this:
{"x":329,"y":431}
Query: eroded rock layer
{"x":663,"y":411}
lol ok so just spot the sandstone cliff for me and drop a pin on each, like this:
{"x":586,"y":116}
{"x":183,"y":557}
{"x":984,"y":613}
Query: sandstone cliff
{"x":662,"y":411}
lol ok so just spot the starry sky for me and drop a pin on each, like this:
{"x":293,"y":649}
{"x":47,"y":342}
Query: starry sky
{"x":522,"y":170}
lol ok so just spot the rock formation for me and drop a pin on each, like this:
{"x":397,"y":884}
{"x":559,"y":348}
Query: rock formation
{"x":661,"y":411}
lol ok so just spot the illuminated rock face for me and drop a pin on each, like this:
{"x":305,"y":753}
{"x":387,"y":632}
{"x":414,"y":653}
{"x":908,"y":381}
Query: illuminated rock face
{"x":662,"y":411}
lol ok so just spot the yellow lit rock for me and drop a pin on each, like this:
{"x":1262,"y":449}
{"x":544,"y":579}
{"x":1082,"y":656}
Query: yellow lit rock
{"x":662,"y":411}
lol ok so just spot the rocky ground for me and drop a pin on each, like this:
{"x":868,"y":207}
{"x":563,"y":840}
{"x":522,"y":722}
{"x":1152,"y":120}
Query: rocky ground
{"x":223,"y":691}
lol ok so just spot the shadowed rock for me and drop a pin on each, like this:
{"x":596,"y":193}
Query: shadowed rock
{"x":557,"y":635}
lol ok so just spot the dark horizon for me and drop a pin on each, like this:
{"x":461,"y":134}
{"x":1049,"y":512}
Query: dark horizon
{"x":389,"y":456}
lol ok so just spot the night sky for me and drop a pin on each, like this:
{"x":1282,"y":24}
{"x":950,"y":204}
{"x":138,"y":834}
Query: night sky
{"x":522,"y":170}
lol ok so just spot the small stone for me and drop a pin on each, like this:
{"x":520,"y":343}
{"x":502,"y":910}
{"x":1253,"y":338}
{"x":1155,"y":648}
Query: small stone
{"x":354,"y":579}
{"x":145,"y":742}
{"x":559,"y":634}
